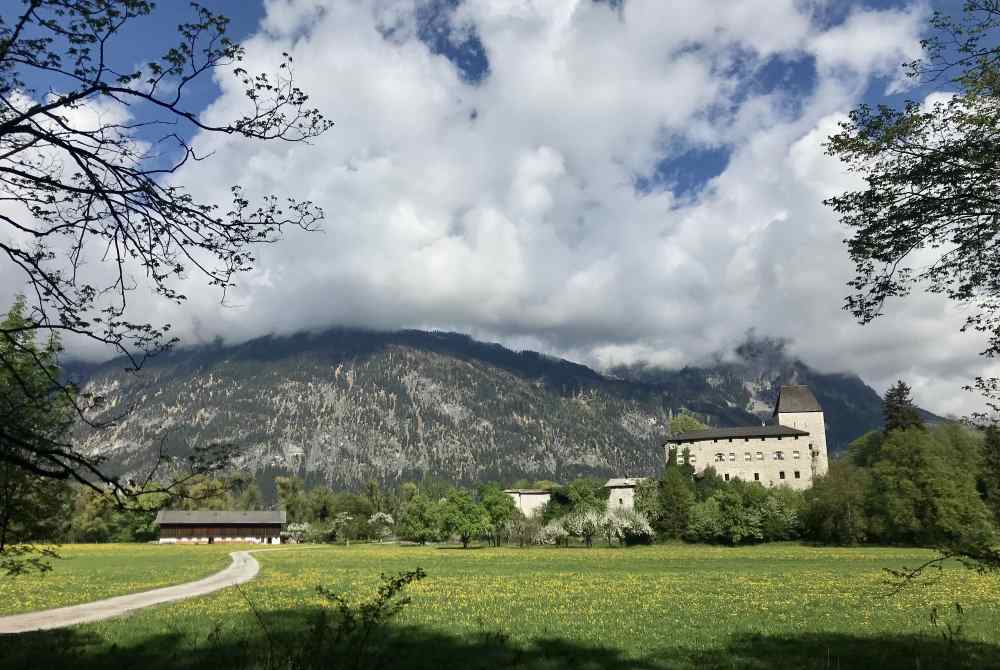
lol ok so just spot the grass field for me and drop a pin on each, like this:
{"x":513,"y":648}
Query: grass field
{"x":674,"y":606}
{"x":86,"y":572}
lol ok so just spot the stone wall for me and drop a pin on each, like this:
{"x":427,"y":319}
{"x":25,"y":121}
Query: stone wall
{"x":771,"y":461}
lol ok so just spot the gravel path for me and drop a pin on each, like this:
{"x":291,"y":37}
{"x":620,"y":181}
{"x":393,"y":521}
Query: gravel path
{"x":243,"y":568}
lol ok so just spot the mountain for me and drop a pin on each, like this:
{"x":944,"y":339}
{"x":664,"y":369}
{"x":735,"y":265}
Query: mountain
{"x":346,"y":406}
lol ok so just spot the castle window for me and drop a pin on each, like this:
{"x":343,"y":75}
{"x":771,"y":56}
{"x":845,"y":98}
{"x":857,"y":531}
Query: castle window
{"x":747,"y":456}
{"x":732,"y":456}
{"x":762,"y":439}
{"x":756,"y":476}
{"x":726,"y":476}
{"x":715,"y":441}
{"x":781,"y":475}
{"x":795,"y":454}
{"x":779,"y":455}
{"x":719,"y":457}
{"x":798,"y":475}
{"x":796,"y":437}
{"x":746,"y":439}
{"x":760,"y":455}
{"x":622,"y":502}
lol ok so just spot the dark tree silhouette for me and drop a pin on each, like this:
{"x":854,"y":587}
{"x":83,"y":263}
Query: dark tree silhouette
{"x":74,"y":192}
{"x":928,"y":216}
{"x":898,"y":409}
{"x":991,"y":470}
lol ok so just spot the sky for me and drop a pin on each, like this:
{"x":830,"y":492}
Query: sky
{"x":610,"y":181}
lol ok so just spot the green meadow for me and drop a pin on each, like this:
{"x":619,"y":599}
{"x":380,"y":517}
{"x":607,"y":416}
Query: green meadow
{"x":667,"y":606}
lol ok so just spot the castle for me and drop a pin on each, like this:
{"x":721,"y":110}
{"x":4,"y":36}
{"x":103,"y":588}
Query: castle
{"x":792,"y":452}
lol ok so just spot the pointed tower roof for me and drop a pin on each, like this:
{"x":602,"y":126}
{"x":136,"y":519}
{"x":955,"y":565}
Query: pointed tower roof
{"x":796,"y":398}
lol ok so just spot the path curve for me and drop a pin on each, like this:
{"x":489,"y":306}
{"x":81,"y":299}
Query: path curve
{"x":243,"y":568}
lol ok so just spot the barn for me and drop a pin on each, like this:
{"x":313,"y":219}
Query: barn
{"x":210,"y":526}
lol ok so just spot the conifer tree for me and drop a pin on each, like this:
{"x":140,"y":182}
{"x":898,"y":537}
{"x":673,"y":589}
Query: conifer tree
{"x":898,"y":409}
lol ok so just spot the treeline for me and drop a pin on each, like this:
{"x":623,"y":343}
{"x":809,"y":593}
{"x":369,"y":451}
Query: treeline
{"x":908,"y":484}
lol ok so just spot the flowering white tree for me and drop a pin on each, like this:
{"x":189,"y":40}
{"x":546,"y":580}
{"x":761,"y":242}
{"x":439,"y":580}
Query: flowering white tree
{"x":381,"y":524}
{"x":630,"y":526}
{"x":298,"y":532}
{"x":554,"y":532}
{"x":586,"y":525}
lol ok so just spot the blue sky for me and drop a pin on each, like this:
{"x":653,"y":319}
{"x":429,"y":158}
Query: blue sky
{"x":684,"y":170}
{"x":609,"y":182}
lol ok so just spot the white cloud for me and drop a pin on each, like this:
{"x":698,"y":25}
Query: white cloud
{"x":507,"y":208}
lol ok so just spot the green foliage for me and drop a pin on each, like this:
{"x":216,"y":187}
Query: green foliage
{"x":462,"y":516}
{"x":923,"y":489}
{"x":743,"y":512}
{"x":291,"y":492}
{"x":420,"y":521}
{"x":916,"y":486}
{"x":926,"y":215}
{"x":581,"y":495}
{"x":33,"y":414}
{"x":990,"y":477}
{"x":501,"y":510}
{"x":866,"y":450}
{"x":898,"y":409}
{"x":667,"y":503}
{"x":835,"y":506}
{"x":685,"y":422}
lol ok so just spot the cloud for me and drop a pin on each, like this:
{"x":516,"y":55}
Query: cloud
{"x":505,"y":204}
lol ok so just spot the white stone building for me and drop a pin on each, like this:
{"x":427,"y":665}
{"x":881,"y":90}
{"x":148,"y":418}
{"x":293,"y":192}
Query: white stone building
{"x":529,"y":501}
{"x":621,"y":492}
{"x":791,"y":453}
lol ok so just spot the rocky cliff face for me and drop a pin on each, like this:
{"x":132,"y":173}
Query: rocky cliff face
{"x":346,"y":406}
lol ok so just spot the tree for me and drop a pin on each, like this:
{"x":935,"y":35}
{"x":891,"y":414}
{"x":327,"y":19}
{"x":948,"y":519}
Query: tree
{"x":991,"y":471}
{"x":927,"y":216}
{"x":501,"y":510}
{"x":419,"y":522}
{"x":586,"y":524}
{"x":684,"y":422}
{"x":30,"y":504}
{"x":92,"y":212}
{"x":463,"y":516}
{"x":835,"y":506}
{"x":676,"y":496}
{"x":923,"y":491}
{"x":898,"y":409}
{"x":381,"y":524}
{"x":292,"y":498}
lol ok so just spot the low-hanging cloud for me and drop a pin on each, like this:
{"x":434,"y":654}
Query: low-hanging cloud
{"x":506,"y":205}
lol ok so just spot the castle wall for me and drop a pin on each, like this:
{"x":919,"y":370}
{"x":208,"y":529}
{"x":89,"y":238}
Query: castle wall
{"x":771,"y":461}
{"x":814,"y":424}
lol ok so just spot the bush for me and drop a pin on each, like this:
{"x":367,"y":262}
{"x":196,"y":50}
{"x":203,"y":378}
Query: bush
{"x":554,"y":533}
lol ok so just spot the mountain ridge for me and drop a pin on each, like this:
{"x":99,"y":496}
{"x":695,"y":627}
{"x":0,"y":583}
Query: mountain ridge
{"x":348,"y":405}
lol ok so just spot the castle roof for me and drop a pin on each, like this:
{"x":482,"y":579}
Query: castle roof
{"x":529,"y":492}
{"x":796,"y":398}
{"x":731,"y":433}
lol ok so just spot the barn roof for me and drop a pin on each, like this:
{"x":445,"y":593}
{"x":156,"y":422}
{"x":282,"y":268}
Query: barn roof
{"x":742,"y":431}
{"x":212,"y":517}
{"x":796,"y":398}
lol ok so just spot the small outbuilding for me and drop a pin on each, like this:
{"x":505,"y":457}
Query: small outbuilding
{"x":211,"y":526}
{"x":621,"y":492}
{"x":529,"y":501}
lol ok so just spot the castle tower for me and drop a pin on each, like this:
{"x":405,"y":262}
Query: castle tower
{"x":798,"y":408}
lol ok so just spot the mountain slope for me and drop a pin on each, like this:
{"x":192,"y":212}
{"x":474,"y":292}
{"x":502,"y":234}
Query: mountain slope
{"x":347,"y":406}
